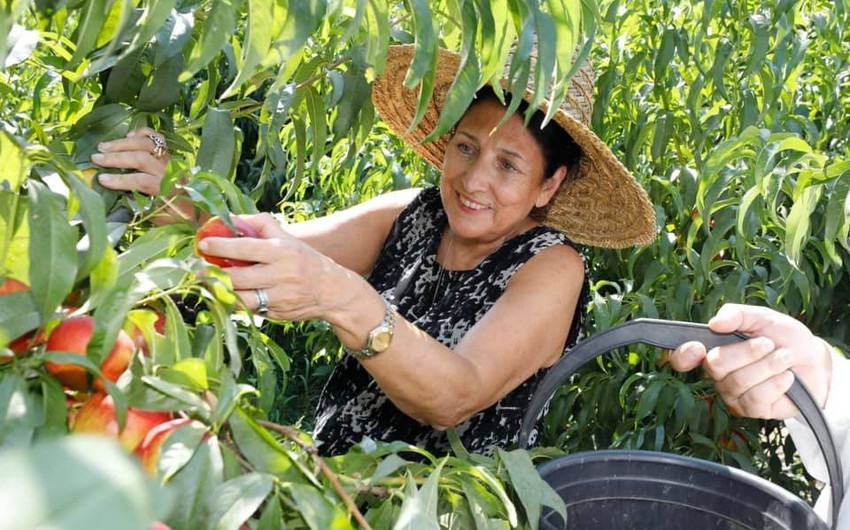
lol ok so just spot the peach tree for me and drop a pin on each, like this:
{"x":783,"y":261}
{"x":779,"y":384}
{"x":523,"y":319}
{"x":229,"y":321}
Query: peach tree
{"x":134,"y":388}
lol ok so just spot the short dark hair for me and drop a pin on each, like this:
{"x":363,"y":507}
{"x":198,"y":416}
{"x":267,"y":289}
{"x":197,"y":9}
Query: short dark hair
{"x":558,"y":147}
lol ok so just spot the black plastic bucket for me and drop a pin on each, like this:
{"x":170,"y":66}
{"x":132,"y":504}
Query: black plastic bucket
{"x":627,"y":490}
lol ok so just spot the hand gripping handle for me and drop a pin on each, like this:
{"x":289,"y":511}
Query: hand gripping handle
{"x":672,"y":334}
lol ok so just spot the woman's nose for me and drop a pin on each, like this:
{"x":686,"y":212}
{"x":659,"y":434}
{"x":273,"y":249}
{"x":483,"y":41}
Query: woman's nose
{"x":476,"y":177}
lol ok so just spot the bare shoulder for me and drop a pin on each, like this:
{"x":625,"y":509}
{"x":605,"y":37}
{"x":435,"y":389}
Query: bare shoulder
{"x":557,"y":267}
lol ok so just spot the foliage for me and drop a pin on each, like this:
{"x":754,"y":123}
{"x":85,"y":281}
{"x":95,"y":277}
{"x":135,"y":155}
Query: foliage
{"x":732,"y":115}
{"x":262,"y":103}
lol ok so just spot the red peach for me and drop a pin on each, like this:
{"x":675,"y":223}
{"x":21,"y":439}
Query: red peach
{"x":73,"y":335}
{"x":215,"y":227}
{"x":97,"y":415}
{"x":149,"y":451}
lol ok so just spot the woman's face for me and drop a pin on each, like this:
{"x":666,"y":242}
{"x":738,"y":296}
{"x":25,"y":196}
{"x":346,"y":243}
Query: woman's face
{"x":491,"y":182}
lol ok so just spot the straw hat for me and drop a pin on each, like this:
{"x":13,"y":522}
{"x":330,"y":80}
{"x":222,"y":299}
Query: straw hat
{"x":600,"y":205}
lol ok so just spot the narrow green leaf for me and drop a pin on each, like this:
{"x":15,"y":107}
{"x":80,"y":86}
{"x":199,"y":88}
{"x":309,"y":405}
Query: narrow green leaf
{"x":798,"y":229}
{"x":18,"y":315}
{"x":152,"y":20}
{"x":237,"y":499}
{"x":161,"y":89}
{"x":529,"y":487}
{"x":257,"y":43}
{"x":76,"y":482}
{"x":319,"y":511}
{"x":419,"y":508}
{"x":194,"y":485}
{"x":20,"y":415}
{"x":53,"y":253}
{"x":423,"y":68}
{"x":217,"y":29}
{"x":91,"y":22}
{"x":218,"y":142}
{"x":14,"y":166}
{"x":258,"y":446}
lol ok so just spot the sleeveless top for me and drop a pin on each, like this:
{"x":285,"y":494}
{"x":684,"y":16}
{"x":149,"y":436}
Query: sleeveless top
{"x":445,"y":306}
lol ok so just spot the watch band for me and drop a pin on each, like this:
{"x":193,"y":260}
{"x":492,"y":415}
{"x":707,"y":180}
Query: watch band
{"x":379,"y":337}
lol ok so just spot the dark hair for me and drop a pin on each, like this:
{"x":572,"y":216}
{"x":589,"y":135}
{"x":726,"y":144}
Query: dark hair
{"x":558,"y":147}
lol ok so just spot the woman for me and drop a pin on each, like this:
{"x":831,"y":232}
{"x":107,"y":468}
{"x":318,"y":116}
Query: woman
{"x":753,"y":377}
{"x":473,"y":288}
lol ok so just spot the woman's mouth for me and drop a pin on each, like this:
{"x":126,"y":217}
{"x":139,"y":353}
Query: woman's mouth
{"x":470,"y":204}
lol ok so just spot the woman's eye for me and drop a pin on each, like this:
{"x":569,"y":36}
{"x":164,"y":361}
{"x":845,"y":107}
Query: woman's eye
{"x":507,"y":166}
{"x":464,"y":148}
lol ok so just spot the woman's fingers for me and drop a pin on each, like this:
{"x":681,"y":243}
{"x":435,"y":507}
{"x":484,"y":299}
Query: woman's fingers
{"x":141,"y":182}
{"x":256,"y":250}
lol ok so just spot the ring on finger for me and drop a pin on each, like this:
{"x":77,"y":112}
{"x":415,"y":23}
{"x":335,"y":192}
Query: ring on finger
{"x":160,"y":148}
{"x":262,"y":301}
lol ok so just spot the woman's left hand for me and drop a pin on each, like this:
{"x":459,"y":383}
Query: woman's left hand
{"x":143,"y":152}
{"x":298,"y":280}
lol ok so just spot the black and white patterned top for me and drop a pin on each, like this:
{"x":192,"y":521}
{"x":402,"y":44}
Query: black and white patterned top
{"x":352,"y":405}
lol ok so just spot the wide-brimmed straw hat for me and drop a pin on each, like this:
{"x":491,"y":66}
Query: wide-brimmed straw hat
{"x":600,"y":204}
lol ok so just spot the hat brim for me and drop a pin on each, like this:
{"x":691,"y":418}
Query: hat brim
{"x":599,"y":205}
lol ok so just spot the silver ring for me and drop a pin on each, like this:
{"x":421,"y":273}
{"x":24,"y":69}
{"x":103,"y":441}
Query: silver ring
{"x":160,"y":148}
{"x":262,"y":301}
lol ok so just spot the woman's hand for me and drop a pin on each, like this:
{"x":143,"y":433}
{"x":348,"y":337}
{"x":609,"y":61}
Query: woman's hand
{"x":137,"y":151}
{"x":753,"y":376}
{"x":300,"y":282}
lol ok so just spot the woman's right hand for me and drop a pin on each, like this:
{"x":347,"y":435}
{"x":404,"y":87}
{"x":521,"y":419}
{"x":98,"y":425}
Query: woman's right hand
{"x":136,"y":152}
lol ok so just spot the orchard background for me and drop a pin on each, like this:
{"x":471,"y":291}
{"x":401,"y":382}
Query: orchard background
{"x":732,"y":114}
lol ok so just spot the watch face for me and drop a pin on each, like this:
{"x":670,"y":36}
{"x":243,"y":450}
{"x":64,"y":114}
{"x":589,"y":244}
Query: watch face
{"x":381,"y":340}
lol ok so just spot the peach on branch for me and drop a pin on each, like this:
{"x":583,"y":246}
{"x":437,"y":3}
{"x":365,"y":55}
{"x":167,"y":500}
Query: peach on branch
{"x":216,"y":227}
{"x":97,"y":415}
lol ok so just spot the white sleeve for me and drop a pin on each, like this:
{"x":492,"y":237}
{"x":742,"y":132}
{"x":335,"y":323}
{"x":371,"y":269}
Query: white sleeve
{"x":837,"y":413}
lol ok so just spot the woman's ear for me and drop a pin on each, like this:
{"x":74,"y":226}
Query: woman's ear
{"x":550,"y":187}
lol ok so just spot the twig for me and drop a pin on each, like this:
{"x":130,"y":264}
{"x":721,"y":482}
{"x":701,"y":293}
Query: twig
{"x":294,"y":436}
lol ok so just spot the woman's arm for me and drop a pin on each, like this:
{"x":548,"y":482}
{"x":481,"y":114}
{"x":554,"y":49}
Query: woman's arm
{"x":354,"y":237}
{"x":525,"y":330}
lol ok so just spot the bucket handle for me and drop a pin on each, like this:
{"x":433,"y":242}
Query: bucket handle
{"x":671,"y":334}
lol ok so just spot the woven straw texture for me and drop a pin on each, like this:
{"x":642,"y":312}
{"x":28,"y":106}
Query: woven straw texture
{"x":601,"y":205}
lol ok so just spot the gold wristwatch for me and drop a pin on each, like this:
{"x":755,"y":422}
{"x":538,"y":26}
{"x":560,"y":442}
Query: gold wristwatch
{"x":380,"y":337}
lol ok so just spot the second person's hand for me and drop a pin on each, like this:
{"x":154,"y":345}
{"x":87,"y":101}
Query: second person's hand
{"x":753,"y":376}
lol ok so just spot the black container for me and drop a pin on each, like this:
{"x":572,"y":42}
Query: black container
{"x":625,"y":490}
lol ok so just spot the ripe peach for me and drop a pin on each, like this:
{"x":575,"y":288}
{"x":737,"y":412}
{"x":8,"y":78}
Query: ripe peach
{"x":150,"y":449}
{"x":215,"y":227}
{"x":97,"y":415}
{"x":73,"y":335}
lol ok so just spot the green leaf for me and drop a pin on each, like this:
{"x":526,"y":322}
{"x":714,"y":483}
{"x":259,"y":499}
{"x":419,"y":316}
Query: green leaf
{"x":76,"y":482}
{"x":419,"y":508}
{"x":18,"y":315}
{"x":217,"y":29}
{"x":258,"y":446}
{"x":20,"y":415}
{"x":14,"y":166}
{"x":317,"y":510}
{"x":529,"y":487}
{"x":194,"y":485}
{"x":258,"y":41}
{"x":237,"y":499}
{"x":798,"y":228}
{"x":161,"y":89}
{"x":153,"y":19}
{"x":218,"y":142}
{"x":191,"y":372}
{"x":94,"y":242}
{"x":53,"y":253}
{"x":91,"y":22}
{"x":422,"y":69}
